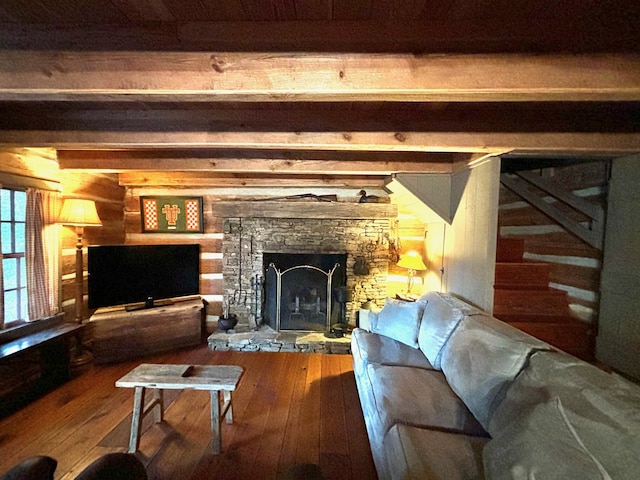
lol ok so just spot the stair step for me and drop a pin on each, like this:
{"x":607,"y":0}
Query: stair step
{"x":574,"y":337}
{"x":522,"y":275}
{"x":509,"y":249}
{"x":542,"y":302}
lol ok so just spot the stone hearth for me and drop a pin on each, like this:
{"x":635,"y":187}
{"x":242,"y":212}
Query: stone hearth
{"x":266,"y":339}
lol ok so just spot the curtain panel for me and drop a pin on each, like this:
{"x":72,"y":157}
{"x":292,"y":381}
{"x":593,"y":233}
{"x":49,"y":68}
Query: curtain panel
{"x":42,"y":242}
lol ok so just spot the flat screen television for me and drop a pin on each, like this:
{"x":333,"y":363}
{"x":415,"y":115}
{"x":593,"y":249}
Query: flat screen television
{"x":128,"y":274}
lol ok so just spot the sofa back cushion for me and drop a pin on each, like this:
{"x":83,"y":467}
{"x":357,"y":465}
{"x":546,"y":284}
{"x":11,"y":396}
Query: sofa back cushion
{"x":603,"y":408}
{"x":544,"y":443}
{"x":417,"y":397}
{"x":439,"y":319}
{"x":422,"y":453}
{"x":400,"y":320}
{"x":453,"y":302}
{"x":481,"y":359}
{"x":368,"y":347}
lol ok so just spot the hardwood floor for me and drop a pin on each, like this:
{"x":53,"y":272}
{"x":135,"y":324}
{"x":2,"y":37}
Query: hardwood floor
{"x":289,"y":409}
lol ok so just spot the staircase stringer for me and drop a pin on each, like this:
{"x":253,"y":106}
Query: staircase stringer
{"x":593,"y":235}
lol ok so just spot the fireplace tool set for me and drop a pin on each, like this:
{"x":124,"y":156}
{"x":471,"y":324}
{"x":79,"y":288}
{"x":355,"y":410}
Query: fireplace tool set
{"x":249,"y":298}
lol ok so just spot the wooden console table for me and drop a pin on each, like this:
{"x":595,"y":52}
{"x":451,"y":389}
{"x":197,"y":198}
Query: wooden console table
{"x":218,"y":379}
{"x":119,"y":334}
{"x":20,"y":381}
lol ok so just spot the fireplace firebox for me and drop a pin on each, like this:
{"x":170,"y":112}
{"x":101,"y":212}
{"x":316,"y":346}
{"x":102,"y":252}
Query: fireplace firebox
{"x":300,"y":290}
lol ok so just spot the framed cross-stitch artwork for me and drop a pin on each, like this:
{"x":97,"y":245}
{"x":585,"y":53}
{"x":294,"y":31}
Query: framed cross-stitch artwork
{"x":171,"y":214}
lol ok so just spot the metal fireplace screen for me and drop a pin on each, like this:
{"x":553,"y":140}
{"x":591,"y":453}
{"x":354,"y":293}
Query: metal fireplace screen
{"x":300,"y":297}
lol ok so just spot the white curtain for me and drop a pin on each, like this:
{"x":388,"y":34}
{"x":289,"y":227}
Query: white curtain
{"x":51,"y":203}
{"x":42,"y":253}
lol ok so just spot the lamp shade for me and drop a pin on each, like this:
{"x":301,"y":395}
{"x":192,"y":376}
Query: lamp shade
{"x":80,"y":213}
{"x":412,"y":260}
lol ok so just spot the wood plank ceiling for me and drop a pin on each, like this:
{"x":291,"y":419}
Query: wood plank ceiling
{"x":317,"y":88}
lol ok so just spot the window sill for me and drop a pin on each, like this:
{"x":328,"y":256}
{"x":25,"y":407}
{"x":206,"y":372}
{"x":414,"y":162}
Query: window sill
{"x":12,"y":325}
{"x":22,"y":328}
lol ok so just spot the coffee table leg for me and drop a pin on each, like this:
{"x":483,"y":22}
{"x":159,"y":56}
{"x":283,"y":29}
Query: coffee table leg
{"x":215,"y":421}
{"x":226,"y":395}
{"x":158,"y":407}
{"x":136,"y":419}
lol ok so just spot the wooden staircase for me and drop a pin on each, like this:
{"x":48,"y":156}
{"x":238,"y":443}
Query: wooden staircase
{"x":522,"y":298}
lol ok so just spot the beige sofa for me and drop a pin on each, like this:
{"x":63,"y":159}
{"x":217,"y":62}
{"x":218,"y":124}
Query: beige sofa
{"x":449,"y":392}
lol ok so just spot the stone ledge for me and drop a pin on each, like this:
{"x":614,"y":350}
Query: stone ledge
{"x":307,"y":210}
{"x":268,"y":340}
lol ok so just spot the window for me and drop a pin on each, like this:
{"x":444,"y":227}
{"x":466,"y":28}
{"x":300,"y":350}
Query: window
{"x":12,"y":219}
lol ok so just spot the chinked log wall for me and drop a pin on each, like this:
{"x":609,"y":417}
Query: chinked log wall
{"x":214,"y":194}
{"x":252,"y":228}
{"x":38,"y":168}
{"x":574,"y":265}
{"x":546,"y":297}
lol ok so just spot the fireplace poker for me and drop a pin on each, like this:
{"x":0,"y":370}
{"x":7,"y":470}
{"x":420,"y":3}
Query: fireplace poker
{"x":255,"y":285}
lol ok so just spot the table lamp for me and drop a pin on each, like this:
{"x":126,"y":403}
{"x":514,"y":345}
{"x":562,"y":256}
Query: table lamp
{"x":412,"y":261}
{"x":79,"y":213}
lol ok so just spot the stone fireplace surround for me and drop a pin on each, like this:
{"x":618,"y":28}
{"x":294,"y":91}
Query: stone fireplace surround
{"x":253,"y":228}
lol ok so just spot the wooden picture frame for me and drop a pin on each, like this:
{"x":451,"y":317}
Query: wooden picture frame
{"x":169,"y":214}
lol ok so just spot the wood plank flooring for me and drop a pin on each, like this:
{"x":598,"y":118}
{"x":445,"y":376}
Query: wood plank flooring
{"x":289,"y":409}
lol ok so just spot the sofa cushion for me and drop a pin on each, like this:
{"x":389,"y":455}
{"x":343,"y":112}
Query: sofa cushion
{"x":543,"y":444}
{"x":418,"y":397}
{"x":368,"y":347}
{"x":481,"y":359}
{"x":603,"y":408}
{"x":418,"y":453}
{"x":453,"y":302}
{"x":439,"y":319}
{"x":400,"y":320}
{"x":368,"y":319}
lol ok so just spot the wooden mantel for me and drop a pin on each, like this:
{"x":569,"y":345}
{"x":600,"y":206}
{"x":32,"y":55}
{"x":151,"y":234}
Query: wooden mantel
{"x":303,"y":209}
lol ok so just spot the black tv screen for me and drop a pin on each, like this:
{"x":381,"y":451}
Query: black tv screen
{"x":125,"y":274}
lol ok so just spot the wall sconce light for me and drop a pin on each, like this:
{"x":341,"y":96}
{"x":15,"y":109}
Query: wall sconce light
{"x":412,"y":261}
{"x":79,"y":213}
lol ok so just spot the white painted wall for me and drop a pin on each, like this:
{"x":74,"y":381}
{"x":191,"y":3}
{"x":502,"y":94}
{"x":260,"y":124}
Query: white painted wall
{"x":461,"y":256}
{"x":470,"y":241}
{"x":618,"y":340}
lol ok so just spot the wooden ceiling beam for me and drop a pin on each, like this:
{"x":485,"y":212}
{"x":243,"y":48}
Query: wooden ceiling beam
{"x":562,"y":32}
{"x":436,"y":142}
{"x":267,"y":77}
{"x":319,"y":117}
{"x":222,"y":180}
{"x":190,"y":160}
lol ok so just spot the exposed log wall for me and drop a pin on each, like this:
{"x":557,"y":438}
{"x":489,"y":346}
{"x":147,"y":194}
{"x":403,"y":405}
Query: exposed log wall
{"x":407,"y":233}
{"x":109,"y":198}
{"x":38,"y":168}
{"x":575,"y":266}
{"x":211,"y":267}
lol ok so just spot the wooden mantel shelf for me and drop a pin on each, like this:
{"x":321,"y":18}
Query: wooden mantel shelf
{"x":306,"y":209}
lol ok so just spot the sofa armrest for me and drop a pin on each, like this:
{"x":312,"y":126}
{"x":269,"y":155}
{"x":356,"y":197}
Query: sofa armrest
{"x":32,"y":468}
{"x":123,"y":466}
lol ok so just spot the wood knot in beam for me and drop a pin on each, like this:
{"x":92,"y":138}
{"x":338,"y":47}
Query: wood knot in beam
{"x":218,"y":64}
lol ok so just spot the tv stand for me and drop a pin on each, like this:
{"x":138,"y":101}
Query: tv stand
{"x":146,"y":305}
{"x":120,"y":334}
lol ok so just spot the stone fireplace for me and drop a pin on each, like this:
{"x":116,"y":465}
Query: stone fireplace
{"x":317,"y":235}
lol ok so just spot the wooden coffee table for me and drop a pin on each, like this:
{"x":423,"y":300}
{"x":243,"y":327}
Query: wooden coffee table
{"x":218,"y":379}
